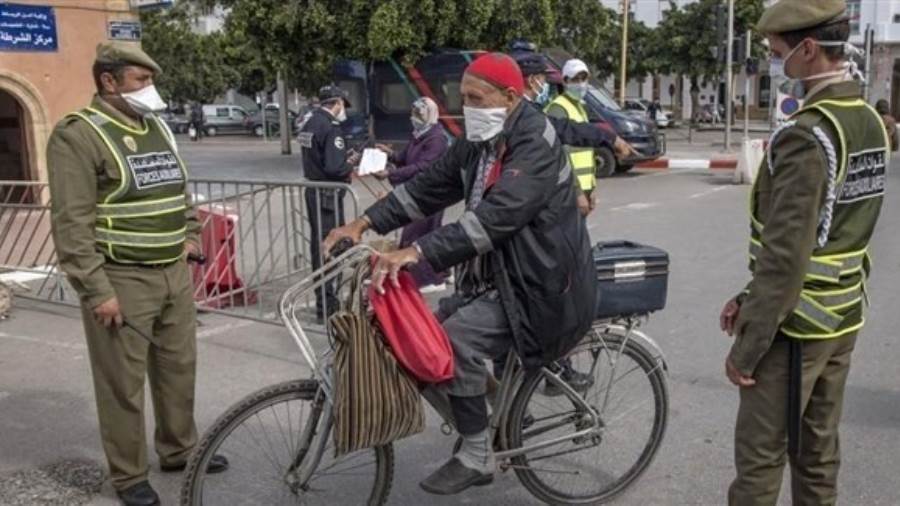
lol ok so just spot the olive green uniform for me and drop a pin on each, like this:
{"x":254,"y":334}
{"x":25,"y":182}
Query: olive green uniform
{"x":154,"y":297}
{"x":800,"y":199}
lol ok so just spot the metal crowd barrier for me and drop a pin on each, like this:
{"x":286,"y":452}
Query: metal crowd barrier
{"x":27,"y":254}
{"x":256,"y":235}
{"x":257,"y":239}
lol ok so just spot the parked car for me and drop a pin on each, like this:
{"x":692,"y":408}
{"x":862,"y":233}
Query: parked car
{"x":641,"y":133}
{"x":177,"y":123}
{"x":224,"y":119}
{"x":640,"y":107}
{"x":254,"y":122}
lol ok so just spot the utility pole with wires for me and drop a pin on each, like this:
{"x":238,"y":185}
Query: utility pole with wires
{"x":623,"y":79}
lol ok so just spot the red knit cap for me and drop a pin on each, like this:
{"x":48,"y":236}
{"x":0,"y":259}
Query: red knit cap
{"x":499,"y":70}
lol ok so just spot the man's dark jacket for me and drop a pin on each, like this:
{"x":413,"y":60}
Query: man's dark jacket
{"x":528,"y":227}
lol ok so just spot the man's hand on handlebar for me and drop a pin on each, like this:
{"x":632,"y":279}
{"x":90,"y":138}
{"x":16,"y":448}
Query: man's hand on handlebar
{"x":352,"y":231}
{"x":389,"y":265}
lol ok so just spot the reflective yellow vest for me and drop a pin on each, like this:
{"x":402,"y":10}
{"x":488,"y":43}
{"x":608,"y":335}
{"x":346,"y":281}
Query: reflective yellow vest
{"x":584,"y":161}
{"x":831,"y":301}
{"x":142,"y":221}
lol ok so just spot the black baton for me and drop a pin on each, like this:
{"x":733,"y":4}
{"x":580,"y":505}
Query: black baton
{"x":126,"y":323}
{"x":795,"y":394}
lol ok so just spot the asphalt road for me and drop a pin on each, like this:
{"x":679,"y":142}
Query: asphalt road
{"x":46,"y":402}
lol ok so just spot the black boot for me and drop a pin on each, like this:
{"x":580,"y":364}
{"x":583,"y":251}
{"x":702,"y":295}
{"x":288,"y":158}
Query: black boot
{"x":217,"y":464}
{"x":453,"y":477}
{"x":141,"y":494}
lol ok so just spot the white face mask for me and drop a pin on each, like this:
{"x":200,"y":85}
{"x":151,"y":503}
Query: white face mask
{"x":484,"y":124}
{"x":419,"y":126}
{"x":145,"y":100}
{"x":794,"y":87}
{"x":577,"y":90}
{"x":342,"y":115}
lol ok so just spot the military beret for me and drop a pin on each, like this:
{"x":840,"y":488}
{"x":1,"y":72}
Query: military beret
{"x":790,"y":15}
{"x":118,"y":52}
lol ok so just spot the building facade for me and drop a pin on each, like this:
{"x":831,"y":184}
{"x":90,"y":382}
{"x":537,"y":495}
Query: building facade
{"x":47,"y":48}
{"x":882,"y":17}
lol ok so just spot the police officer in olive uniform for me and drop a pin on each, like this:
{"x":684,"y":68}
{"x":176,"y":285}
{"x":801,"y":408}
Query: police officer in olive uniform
{"x":325,"y":159}
{"x":122,"y":227}
{"x":813,"y":211}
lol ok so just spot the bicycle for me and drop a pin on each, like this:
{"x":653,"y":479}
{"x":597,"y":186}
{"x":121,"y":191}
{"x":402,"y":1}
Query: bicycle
{"x":281,"y":435}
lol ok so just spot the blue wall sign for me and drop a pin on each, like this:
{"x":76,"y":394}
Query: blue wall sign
{"x":27,"y":28}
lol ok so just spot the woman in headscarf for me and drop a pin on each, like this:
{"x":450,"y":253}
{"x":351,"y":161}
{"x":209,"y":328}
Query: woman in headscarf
{"x":428,"y":143}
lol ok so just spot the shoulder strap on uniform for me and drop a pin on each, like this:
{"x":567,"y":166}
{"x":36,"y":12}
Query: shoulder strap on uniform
{"x":836,"y":168}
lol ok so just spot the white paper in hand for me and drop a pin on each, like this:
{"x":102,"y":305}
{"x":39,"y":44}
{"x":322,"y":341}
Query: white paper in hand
{"x":373,"y":160}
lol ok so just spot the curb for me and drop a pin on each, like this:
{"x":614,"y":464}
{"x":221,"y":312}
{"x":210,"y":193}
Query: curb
{"x":710,"y":164}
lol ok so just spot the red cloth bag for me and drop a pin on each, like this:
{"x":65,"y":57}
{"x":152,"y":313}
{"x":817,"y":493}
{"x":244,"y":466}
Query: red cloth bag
{"x":416,"y":338}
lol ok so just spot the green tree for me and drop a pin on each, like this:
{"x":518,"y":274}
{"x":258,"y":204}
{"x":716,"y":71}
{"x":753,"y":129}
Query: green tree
{"x":304,"y":39}
{"x":583,"y":28}
{"x":688,"y":40}
{"x":193,"y":65}
{"x":643,"y":59}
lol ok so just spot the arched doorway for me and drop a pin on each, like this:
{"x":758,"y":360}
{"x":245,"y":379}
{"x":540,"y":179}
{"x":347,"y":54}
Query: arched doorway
{"x":24,"y":128}
{"x":14,"y":155}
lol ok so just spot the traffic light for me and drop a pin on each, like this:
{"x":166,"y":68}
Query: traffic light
{"x":752,"y":66}
{"x":740,"y":49}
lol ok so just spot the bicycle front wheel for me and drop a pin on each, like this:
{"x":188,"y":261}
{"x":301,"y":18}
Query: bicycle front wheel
{"x":627,"y":391}
{"x":273,"y":441}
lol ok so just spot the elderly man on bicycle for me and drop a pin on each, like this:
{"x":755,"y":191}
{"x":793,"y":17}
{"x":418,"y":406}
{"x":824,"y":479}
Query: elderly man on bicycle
{"x":527,"y":282}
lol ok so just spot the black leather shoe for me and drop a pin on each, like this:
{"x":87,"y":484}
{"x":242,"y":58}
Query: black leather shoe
{"x":217,"y":464}
{"x":453,"y":477}
{"x":141,"y":494}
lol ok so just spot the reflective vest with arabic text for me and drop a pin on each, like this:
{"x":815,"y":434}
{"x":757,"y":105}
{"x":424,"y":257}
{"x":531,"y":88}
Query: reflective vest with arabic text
{"x":832,"y":299}
{"x":142,"y":220}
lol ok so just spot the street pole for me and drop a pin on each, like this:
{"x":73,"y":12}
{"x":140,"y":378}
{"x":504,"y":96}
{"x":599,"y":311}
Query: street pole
{"x":870,"y":35}
{"x":623,"y":78}
{"x":729,"y":85}
{"x":264,"y":101}
{"x":747,"y":87}
{"x":283,"y":118}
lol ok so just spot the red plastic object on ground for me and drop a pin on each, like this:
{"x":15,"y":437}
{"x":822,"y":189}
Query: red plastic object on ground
{"x":416,"y":338}
{"x":216,"y":283}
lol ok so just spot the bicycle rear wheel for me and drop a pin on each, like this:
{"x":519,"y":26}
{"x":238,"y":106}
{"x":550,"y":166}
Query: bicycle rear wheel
{"x":269,"y":437}
{"x":629,"y":394}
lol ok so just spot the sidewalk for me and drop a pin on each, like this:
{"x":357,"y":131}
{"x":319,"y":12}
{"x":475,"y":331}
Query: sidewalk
{"x":699,"y":149}
{"x":50,"y":449}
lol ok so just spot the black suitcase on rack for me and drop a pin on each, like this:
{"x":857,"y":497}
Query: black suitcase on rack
{"x":633,"y":278}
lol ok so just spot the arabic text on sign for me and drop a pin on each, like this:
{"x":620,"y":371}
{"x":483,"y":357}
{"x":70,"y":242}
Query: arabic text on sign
{"x":27,"y":28}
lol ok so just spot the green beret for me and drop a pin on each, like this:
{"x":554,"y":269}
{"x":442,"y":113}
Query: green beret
{"x":118,"y":52}
{"x":789,"y":15}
